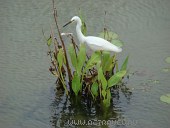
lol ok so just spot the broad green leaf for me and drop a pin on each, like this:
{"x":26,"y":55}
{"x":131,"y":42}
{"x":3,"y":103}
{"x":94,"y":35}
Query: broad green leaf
{"x":49,"y":41}
{"x":110,"y":63}
{"x":165,"y":98}
{"x":108,"y":35}
{"x":117,"y":42}
{"x":108,"y":95}
{"x":102,"y":78}
{"x":104,"y":94}
{"x":124,"y":65}
{"x":105,"y":55}
{"x":108,"y":98}
{"x":105,"y":59}
{"x":94,"y":89}
{"x":112,"y":37}
{"x":76,"y":85}
{"x":98,"y":65}
{"x":60,"y":57}
{"x":81,"y":58}
{"x":95,"y":58}
{"x":72,"y":54}
{"x":115,"y":79}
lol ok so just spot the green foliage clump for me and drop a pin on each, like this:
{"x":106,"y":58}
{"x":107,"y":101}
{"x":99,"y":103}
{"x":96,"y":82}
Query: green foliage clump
{"x":82,"y":75}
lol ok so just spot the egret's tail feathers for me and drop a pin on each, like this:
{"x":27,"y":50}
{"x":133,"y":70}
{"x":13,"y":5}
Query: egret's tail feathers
{"x":114,"y":48}
{"x":119,"y":49}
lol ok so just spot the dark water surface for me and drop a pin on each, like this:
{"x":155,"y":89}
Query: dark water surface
{"x":27,"y":96}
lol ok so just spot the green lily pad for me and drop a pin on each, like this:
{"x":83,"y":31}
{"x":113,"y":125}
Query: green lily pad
{"x":153,"y":81}
{"x":156,"y":81}
{"x":108,"y":35}
{"x":117,"y":42}
{"x":165,"y":98}
{"x":166,"y":69}
{"x":167,"y":60}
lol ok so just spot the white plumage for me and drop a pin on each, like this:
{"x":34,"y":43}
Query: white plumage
{"x":95,"y":43}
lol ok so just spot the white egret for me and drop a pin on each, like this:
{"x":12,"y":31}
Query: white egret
{"x":95,"y":43}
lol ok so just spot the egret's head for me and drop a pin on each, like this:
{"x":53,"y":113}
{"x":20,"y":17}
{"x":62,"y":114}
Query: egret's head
{"x":74,"y":19}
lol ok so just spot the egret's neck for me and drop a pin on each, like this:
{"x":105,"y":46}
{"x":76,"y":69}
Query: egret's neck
{"x":80,"y":35}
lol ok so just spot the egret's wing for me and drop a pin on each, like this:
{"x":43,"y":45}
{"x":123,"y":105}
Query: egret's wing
{"x":95,"y":41}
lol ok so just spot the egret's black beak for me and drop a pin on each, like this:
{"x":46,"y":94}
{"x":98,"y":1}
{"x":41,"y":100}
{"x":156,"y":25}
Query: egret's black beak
{"x":68,"y":23}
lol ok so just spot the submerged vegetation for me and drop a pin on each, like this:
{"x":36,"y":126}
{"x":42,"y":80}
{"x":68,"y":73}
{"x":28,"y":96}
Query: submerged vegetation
{"x":91,"y":76}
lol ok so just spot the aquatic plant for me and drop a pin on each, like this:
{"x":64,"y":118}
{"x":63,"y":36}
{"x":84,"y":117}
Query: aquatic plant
{"x":165,"y":98}
{"x":80,"y":75}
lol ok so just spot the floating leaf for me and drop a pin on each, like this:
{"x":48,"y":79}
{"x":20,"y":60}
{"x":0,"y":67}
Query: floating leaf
{"x":153,"y":81}
{"x":156,"y":81}
{"x":102,"y":78}
{"x":117,"y":42}
{"x":76,"y":85}
{"x":49,"y":41}
{"x":108,"y":35}
{"x":116,"y":78}
{"x":94,"y":89}
{"x":168,"y":60}
{"x":111,"y":37}
{"x":72,"y":54}
{"x":124,"y":65}
{"x":165,"y":98}
{"x":166,"y":69}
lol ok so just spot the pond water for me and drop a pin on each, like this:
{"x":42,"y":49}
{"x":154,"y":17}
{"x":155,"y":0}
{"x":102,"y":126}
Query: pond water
{"x":28,"y":98}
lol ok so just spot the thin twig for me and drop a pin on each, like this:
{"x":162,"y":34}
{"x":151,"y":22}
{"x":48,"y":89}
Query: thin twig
{"x":54,"y":40}
{"x":67,"y":64}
